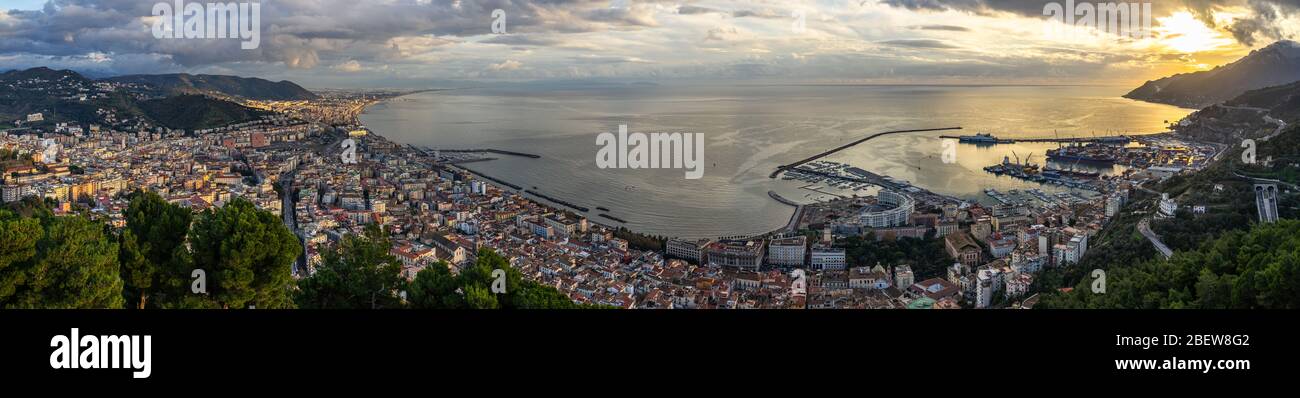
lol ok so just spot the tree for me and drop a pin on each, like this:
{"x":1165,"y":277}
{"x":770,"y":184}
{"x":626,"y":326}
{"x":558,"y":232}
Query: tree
{"x":246,"y":254}
{"x":17,"y":248}
{"x":435,"y":287}
{"x":480,"y":298}
{"x":150,"y":248}
{"x":360,"y":274}
{"x":1259,"y":268}
{"x":74,"y":265}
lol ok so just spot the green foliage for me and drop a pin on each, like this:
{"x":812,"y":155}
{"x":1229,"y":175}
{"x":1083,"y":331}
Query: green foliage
{"x":927,"y":257}
{"x":360,"y":274}
{"x":17,"y":247}
{"x":152,"y":246}
{"x":64,"y":262}
{"x":247,"y":254}
{"x":1259,"y":268}
{"x":435,"y":288}
{"x":640,"y":241}
{"x":192,"y":112}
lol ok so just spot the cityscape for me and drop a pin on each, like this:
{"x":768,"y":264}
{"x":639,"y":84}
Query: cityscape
{"x":224,"y":191}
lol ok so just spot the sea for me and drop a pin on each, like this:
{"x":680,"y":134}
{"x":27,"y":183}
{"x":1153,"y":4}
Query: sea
{"x":749,"y":130}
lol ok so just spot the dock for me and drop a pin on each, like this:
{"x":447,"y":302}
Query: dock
{"x":791,"y":166}
{"x":1114,"y":139}
{"x":496,"y":151}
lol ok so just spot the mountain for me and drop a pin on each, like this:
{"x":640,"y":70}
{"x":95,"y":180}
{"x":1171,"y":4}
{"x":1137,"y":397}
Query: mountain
{"x":1282,"y":102}
{"x":66,"y":96}
{"x":244,"y":87}
{"x":42,"y":73}
{"x":1277,"y":64}
{"x":193,"y":112}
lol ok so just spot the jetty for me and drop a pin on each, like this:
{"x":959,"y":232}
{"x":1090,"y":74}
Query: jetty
{"x":850,"y":145}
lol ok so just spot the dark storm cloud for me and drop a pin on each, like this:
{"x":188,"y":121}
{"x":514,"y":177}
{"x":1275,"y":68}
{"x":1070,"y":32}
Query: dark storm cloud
{"x":1264,"y":22}
{"x":300,"y":33}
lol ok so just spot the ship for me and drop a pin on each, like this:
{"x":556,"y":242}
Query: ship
{"x":1071,"y":173}
{"x":1093,"y":153}
{"x":979,"y":138}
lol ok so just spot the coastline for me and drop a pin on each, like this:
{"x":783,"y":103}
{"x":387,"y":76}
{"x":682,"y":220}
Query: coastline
{"x":559,"y":204}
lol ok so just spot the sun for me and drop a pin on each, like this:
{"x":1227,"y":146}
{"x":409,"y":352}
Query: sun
{"x":1182,"y":32}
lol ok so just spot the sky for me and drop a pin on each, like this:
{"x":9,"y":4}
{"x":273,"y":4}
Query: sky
{"x":410,"y":43}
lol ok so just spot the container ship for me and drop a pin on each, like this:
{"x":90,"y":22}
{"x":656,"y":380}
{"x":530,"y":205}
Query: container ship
{"x":1089,"y":153}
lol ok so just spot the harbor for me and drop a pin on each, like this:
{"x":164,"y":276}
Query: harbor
{"x":990,"y":139}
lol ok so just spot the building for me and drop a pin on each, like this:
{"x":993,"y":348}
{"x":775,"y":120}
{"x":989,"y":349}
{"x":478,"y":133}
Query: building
{"x":1002,"y":246}
{"x":943,"y":229}
{"x":903,"y":276}
{"x":962,"y":248}
{"x":1168,"y":207}
{"x":788,"y":251}
{"x":891,"y":210}
{"x":981,"y":229}
{"x":934,"y":288}
{"x":984,"y":288}
{"x":1113,"y":203}
{"x":869,"y":278}
{"x":687,"y":250}
{"x":742,"y":254}
{"x":827,"y":258}
{"x":1266,"y":202}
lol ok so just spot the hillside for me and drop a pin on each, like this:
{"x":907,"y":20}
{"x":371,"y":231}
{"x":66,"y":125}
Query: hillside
{"x":1254,"y":114}
{"x":250,"y":88}
{"x":1277,"y":64}
{"x":66,"y":96}
{"x":1223,"y":259}
{"x":192,"y":112}
{"x":42,"y":73}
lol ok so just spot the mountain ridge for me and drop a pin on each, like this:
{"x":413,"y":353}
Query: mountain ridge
{"x":1274,"y":65}
{"x":245,"y":87}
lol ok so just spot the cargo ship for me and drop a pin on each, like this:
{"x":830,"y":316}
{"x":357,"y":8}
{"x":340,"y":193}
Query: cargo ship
{"x":1092,"y":153}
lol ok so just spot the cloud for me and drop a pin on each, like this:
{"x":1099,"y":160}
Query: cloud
{"x":1266,"y":19}
{"x":304,"y":33}
{"x":948,"y":28}
{"x":506,"y":65}
{"x":523,"y":40}
{"x":350,"y":66}
{"x":764,"y":13}
{"x":695,"y":10}
{"x":918,"y":43}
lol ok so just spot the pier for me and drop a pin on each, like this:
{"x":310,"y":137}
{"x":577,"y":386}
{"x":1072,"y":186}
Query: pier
{"x":496,"y":151}
{"x":1114,"y":139}
{"x":793,"y":224}
{"x":850,"y":145}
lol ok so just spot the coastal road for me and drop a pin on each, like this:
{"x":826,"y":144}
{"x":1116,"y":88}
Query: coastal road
{"x":1144,"y":227}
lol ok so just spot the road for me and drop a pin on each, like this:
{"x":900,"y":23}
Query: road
{"x":1144,"y":227}
{"x":287,"y":205}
